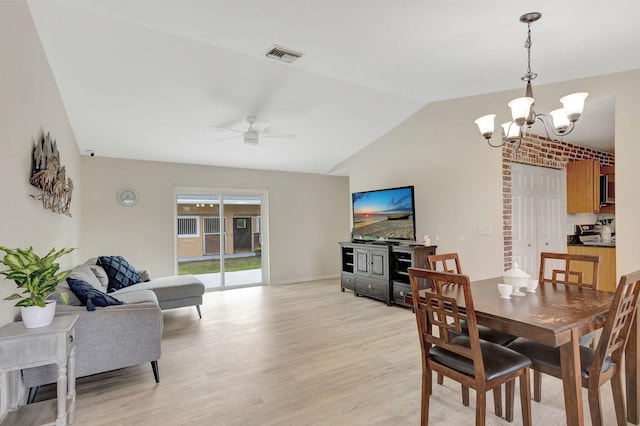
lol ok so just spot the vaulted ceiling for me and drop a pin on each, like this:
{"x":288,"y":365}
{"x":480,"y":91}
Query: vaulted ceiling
{"x":147,"y":79}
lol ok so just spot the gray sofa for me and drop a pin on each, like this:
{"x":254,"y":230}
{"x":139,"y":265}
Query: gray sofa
{"x":118,"y":336}
{"x":172,"y":292}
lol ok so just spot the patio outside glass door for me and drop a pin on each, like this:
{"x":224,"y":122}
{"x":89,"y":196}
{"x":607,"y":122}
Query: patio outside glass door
{"x":220,"y":236}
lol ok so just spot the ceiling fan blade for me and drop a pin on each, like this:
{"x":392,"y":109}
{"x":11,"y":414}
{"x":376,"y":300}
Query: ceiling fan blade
{"x":228,"y":138}
{"x":261,"y":125}
{"x":277,"y":135}
{"x":227,"y":129}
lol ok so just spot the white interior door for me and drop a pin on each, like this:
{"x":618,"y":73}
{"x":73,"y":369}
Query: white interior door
{"x":523,"y":223}
{"x":538,"y":214}
{"x":552,"y":211}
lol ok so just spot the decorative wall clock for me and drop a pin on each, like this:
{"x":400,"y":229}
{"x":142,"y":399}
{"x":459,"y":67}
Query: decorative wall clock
{"x":128,"y":197}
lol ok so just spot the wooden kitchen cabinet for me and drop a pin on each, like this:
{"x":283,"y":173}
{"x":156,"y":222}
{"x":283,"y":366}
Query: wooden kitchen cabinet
{"x":607,"y":272}
{"x":583,"y":186}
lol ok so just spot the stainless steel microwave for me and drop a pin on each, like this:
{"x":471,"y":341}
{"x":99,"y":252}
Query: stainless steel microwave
{"x":607,"y":192}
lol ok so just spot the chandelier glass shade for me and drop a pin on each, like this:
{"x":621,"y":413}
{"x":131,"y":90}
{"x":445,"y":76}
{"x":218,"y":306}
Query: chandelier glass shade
{"x":557,"y":123}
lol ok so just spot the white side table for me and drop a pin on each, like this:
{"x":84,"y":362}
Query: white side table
{"x":22,"y":347}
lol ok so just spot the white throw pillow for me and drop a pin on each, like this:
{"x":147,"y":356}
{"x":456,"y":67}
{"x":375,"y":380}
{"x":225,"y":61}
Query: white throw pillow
{"x":99,"y":272}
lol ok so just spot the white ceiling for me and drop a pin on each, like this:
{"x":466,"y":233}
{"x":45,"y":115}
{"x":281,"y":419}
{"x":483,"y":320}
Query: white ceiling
{"x":146,"y":79}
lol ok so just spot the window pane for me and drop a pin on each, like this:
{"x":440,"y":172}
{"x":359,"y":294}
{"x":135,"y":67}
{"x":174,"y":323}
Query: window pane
{"x":188,"y":226}
{"x":211,"y":225}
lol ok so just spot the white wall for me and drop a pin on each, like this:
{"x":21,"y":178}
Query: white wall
{"x":451,"y":176}
{"x":458,"y":178}
{"x":30,"y":104}
{"x":308,"y":214}
{"x":627,"y":90}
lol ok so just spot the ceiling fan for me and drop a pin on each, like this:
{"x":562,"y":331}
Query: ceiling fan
{"x":255,"y":131}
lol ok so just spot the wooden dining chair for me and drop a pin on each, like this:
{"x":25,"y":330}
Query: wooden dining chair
{"x":447,"y":262}
{"x":569,"y":269}
{"x":450,"y":262}
{"x":475,"y":364}
{"x":603,"y":363}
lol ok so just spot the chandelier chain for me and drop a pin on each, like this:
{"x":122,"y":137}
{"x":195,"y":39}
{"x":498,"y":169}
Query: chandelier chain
{"x":527,"y":44}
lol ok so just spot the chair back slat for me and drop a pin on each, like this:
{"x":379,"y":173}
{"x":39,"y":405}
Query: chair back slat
{"x":615,"y":333}
{"x":447,"y":262}
{"x":437,"y":314}
{"x":442,"y":313}
{"x":569,"y":269}
{"x":565,"y":277}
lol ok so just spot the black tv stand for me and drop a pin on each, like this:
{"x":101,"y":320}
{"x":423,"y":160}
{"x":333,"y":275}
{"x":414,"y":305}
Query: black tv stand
{"x":383,"y":243}
{"x":378,"y":268}
{"x":377,"y":242}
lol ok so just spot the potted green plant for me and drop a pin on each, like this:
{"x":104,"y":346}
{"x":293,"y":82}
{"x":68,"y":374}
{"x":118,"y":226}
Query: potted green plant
{"x":37,"y":277}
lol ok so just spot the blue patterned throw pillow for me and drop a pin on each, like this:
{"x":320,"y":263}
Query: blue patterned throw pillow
{"x":121,"y":274}
{"x":90,"y":296}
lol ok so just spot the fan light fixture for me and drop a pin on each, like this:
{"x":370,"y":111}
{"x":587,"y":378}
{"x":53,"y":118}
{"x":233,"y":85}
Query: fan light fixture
{"x":557,"y":123}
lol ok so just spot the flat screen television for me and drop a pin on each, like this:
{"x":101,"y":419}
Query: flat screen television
{"x":384,"y":214}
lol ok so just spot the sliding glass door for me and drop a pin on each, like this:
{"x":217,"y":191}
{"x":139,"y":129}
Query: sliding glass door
{"x":221,"y":236}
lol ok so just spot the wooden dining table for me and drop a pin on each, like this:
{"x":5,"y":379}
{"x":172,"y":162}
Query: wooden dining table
{"x":556,"y":316}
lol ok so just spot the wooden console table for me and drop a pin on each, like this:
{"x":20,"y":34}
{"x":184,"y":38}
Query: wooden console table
{"x":22,"y":347}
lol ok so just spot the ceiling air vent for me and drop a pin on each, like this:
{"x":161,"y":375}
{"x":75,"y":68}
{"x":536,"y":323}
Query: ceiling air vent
{"x":283,"y":54}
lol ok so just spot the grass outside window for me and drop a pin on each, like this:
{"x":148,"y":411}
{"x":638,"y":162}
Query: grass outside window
{"x":211,"y":266}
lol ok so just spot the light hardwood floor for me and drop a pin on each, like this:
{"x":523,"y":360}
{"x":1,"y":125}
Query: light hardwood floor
{"x":299,"y":354}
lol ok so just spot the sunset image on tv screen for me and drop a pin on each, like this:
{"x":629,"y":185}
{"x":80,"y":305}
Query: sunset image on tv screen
{"x":385,"y":213}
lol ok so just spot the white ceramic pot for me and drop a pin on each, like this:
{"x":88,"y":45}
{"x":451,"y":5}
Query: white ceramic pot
{"x":517,"y":278}
{"x":35,"y":316}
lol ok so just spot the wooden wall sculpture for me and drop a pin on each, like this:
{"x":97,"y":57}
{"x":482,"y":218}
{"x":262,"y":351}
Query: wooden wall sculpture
{"x":50,"y":177}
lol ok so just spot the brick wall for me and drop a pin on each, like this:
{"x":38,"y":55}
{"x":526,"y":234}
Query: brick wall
{"x":542,"y":152}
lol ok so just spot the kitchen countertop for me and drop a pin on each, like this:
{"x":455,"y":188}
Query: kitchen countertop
{"x":595,"y":244}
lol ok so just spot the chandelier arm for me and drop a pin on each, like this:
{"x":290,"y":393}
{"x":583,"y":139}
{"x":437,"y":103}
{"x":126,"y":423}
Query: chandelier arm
{"x":496,"y":146}
{"x":517,"y":147}
{"x":505,"y":140}
{"x":541,"y":117}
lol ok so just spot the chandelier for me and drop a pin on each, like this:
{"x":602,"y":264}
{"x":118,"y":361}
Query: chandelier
{"x":557,"y":123}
